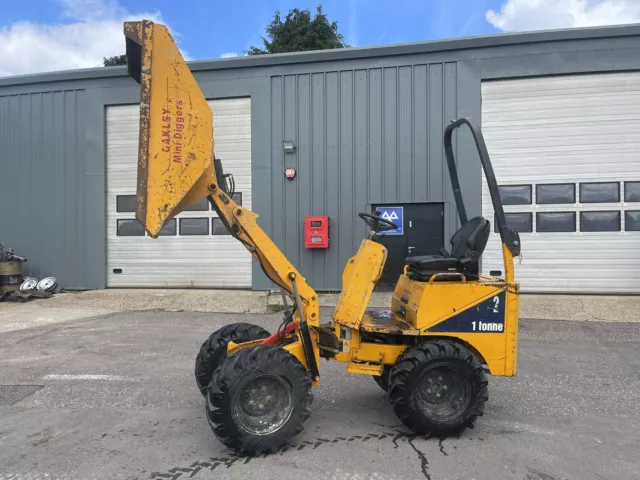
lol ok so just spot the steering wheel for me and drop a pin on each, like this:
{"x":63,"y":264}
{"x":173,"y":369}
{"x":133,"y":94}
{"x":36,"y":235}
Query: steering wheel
{"x":377,"y":223}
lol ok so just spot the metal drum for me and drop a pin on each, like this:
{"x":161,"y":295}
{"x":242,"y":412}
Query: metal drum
{"x":10,"y":276}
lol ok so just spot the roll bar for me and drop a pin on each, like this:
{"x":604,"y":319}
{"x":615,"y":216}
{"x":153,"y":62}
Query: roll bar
{"x":509,"y":237}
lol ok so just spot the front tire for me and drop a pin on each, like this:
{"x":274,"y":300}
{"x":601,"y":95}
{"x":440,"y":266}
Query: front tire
{"x":214,"y":350}
{"x":438,"y":388}
{"x":258,"y":400}
{"x":383,"y":380}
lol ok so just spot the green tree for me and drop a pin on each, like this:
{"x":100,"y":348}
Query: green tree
{"x":299,"y":32}
{"x":114,"y":61}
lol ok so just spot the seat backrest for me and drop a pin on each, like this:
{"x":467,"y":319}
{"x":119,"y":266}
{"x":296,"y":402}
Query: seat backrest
{"x":471,"y":239}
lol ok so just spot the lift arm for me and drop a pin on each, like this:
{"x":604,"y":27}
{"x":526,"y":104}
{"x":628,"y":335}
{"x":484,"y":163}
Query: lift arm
{"x":176,"y":166}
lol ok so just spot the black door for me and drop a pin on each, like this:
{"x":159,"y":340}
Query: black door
{"x":421,"y":233}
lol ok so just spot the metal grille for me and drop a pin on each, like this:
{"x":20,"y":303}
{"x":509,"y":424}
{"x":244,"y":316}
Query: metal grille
{"x":12,"y":394}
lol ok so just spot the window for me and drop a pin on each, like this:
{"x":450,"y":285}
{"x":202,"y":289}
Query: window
{"x":515,"y":194}
{"x":218,"y":228}
{"x":520,"y":222}
{"x":169,"y":229}
{"x":632,"y":221}
{"x":632,"y":191}
{"x":555,"y":222}
{"x":125,"y":203}
{"x":599,"y":221}
{"x":237,"y":197}
{"x":600,"y":192}
{"x":194,"y":226}
{"x":201,"y":206}
{"x":556,"y":193}
{"x":129,"y":228}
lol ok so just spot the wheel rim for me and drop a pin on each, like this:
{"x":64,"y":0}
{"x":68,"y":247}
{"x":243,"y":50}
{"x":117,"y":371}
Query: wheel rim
{"x":264,"y":405}
{"x":442,"y":393}
{"x":46,"y":283}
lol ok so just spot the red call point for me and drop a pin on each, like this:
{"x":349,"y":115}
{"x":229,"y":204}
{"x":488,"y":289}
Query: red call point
{"x":290,"y":173}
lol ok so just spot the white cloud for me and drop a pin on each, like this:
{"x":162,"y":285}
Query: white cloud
{"x":229,"y":55}
{"x":88,"y":31}
{"x":520,"y":15}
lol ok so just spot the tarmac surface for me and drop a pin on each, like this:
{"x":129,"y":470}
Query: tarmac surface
{"x":115,"y":398}
{"x":72,"y":306}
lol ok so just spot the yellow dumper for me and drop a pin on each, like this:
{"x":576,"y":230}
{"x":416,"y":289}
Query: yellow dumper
{"x":447,"y":322}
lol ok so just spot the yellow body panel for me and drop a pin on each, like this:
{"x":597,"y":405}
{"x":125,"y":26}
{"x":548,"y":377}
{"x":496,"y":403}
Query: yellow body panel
{"x":358,"y":280}
{"x":365,"y":369}
{"x":297,"y":350}
{"x":423,"y":304}
{"x":419,"y":307}
{"x":377,"y":353}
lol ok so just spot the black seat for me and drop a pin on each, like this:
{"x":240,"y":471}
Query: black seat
{"x":467,"y":245}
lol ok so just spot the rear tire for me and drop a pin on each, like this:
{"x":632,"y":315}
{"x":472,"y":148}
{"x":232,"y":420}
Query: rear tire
{"x":438,"y":388}
{"x":383,"y":380}
{"x":258,"y":400}
{"x":214,"y":350}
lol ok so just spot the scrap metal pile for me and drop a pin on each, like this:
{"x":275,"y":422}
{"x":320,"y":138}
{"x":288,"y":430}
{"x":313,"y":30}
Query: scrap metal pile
{"x":14,"y":286}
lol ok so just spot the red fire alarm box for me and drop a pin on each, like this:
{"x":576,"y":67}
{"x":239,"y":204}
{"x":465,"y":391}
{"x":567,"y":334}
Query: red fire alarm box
{"x":316,"y":232}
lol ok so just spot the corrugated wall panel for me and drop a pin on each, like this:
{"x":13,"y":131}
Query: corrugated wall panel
{"x":31,"y":153}
{"x":318,"y":165}
{"x":342,"y":234}
{"x":375,"y":138}
{"x":390,"y":135}
{"x":332,"y":163}
{"x":405,"y":125}
{"x":435,"y":107}
{"x":277,"y":168}
{"x":362,"y":158}
{"x":362,"y":137}
{"x":420,"y":138}
{"x":304,"y":180}
{"x":40,"y":134}
{"x":291,"y":208}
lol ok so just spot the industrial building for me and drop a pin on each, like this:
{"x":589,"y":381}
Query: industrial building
{"x":361,"y":129}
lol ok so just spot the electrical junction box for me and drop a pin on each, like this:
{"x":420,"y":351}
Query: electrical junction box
{"x":316,"y":232}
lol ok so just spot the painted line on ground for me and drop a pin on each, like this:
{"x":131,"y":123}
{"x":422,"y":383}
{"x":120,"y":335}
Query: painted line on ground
{"x":112,"y":378}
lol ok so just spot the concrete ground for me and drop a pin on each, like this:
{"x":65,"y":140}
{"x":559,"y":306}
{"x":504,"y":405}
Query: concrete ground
{"x":71,"y":306}
{"x":118,"y":401}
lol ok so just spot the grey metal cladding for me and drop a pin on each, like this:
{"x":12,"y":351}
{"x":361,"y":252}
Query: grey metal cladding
{"x":45,"y":184}
{"x":362,"y":137}
{"x":367,"y":124}
{"x":525,"y":40}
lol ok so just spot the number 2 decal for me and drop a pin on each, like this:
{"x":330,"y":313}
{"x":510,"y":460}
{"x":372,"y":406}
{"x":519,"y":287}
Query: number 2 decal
{"x":496,"y":304}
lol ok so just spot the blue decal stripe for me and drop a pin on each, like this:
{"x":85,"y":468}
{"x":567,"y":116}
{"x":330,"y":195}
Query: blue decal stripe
{"x":485,"y":317}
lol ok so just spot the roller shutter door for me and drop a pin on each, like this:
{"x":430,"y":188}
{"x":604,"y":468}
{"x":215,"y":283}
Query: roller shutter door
{"x":195,"y":250}
{"x":566,"y":153}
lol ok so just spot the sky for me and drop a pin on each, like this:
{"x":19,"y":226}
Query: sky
{"x":47,"y":35}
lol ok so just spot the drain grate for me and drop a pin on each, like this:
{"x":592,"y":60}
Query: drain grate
{"x":12,"y":394}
